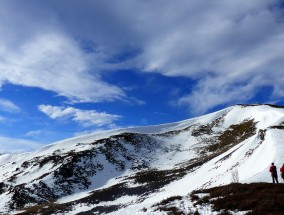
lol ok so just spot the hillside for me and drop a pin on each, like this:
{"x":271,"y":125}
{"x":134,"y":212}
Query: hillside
{"x":131,"y":171}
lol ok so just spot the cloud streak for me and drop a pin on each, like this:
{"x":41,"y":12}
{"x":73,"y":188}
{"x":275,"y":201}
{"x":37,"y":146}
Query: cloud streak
{"x":85,"y":117}
{"x":2,"y":119}
{"x":8,"y":106}
{"x":44,"y":56}
{"x":229,"y":48}
{"x":17,"y":145}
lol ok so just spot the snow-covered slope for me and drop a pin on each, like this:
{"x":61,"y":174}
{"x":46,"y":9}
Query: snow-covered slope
{"x":129,"y":171}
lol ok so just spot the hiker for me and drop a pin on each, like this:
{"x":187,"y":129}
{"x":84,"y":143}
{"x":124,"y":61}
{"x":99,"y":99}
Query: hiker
{"x":273,"y":171}
{"x":282,"y":171}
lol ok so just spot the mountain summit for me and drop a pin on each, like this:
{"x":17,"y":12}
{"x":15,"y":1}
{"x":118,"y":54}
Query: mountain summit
{"x":133,"y":170}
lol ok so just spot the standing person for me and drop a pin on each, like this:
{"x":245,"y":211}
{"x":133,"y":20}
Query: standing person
{"x":273,"y":171}
{"x":282,"y":171}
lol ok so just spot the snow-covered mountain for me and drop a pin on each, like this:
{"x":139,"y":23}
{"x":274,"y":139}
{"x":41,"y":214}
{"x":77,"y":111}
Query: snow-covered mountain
{"x":130,"y":171}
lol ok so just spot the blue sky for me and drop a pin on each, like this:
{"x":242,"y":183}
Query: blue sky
{"x":74,"y":67}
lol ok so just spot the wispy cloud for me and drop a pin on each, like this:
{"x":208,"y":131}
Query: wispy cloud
{"x":41,"y":53}
{"x":8,"y":106}
{"x":54,"y":62}
{"x":38,"y":133}
{"x":2,"y":119}
{"x":85,"y":117}
{"x":224,"y":46}
{"x":14,"y":145}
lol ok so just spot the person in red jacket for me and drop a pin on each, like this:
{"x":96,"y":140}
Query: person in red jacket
{"x":282,"y":171}
{"x":273,"y":171}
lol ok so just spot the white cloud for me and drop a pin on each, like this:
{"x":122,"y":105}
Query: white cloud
{"x":233,"y":44}
{"x":230,"y":49}
{"x":54,"y":62}
{"x":36,"y":52}
{"x":14,"y":145}
{"x":85,"y":117}
{"x":209,"y":95}
{"x":38,"y":133}
{"x":2,"y":119}
{"x":8,"y":106}
{"x":97,"y":130}
{"x":226,"y":46}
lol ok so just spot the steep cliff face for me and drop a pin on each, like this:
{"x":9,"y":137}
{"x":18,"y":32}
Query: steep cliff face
{"x":129,"y":171}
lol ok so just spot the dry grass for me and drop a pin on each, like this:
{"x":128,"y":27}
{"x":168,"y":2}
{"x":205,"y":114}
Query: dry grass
{"x":167,"y":207}
{"x":257,"y":198}
{"x":234,"y":135}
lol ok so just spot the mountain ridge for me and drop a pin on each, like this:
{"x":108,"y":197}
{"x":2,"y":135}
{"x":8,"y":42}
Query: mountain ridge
{"x":127,"y":171}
